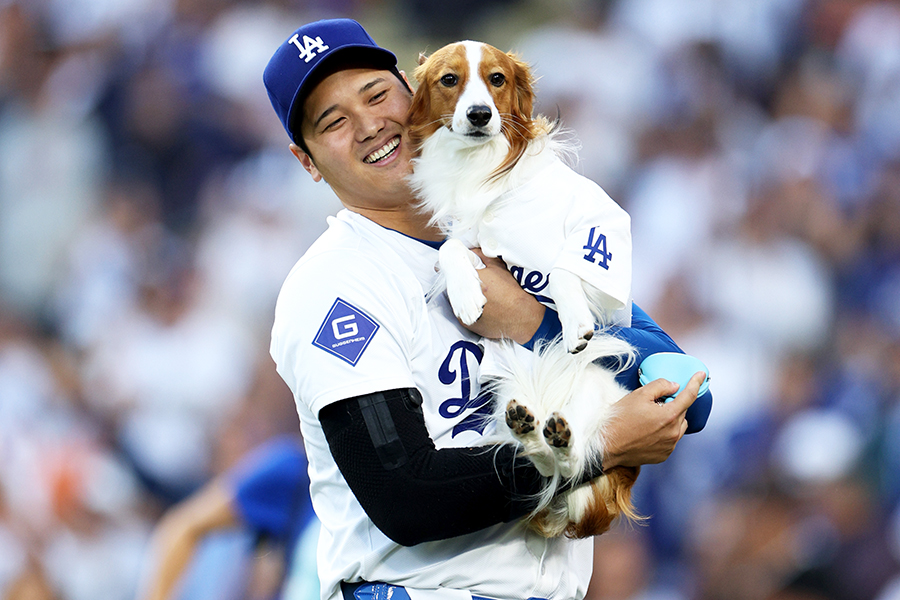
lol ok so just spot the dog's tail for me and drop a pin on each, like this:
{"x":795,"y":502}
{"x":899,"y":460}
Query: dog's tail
{"x":611,"y":500}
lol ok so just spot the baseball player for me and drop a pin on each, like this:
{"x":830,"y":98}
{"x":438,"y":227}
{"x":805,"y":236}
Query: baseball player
{"x":266,"y":494}
{"x":386,"y":385}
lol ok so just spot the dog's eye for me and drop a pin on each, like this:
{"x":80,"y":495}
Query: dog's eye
{"x":497,"y":79}
{"x":449,"y":80}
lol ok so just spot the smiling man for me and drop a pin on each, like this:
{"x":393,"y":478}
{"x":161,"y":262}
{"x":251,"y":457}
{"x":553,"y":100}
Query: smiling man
{"x":386,"y":384}
{"x":353,"y":123}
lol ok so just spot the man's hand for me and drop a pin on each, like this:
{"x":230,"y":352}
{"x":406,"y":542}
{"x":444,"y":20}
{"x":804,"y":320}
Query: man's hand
{"x":644,"y":431}
{"x":510,"y":312}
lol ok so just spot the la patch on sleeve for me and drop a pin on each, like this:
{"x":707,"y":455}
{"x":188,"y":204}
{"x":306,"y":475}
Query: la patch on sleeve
{"x":346,"y":332}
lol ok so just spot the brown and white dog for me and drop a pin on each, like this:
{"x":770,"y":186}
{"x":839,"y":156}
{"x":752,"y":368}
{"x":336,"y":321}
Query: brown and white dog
{"x":477,"y":142}
{"x":478,"y":145}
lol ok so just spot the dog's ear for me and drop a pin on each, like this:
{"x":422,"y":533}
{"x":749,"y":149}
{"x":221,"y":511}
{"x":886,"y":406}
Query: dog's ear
{"x":419,"y":113}
{"x":421,"y":69}
{"x":524,"y":87}
{"x":520,"y":114}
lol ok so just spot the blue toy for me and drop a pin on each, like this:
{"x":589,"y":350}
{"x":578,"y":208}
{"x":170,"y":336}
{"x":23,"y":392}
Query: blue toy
{"x":672,"y":366}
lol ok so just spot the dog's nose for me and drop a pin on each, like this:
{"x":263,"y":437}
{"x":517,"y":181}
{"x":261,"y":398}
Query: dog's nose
{"x":479,"y":115}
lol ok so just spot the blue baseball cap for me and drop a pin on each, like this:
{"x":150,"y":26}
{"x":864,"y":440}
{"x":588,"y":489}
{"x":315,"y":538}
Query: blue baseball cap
{"x":301,"y":62}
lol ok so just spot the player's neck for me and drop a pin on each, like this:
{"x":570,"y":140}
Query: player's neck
{"x":407,"y":221}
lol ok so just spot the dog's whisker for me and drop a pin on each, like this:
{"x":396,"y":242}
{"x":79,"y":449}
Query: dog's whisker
{"x":515,"y":126}
{"x":517,"y":129}
{"x":427,"y":123}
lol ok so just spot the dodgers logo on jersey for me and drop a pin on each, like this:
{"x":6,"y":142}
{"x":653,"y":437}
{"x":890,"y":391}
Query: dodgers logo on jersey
{"x":346,"y":332}
{"x":596,"y":247}
{"x":455,"y":368}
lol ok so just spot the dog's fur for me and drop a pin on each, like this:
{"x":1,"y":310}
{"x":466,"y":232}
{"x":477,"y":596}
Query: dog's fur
{"x":466,"y":160}
{"x":556,"y":407}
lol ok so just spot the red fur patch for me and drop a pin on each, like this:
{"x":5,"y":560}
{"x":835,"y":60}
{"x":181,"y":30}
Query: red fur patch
{"x":433,"y":103}
{"x":612,"y":499}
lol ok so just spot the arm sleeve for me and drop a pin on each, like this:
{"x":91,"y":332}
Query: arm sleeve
{"x":644,"y":334}
{"x":647,"y":338}
{"x":412,"y":491}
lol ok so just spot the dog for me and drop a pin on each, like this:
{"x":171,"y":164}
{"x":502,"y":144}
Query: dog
{"x":492,"y":176}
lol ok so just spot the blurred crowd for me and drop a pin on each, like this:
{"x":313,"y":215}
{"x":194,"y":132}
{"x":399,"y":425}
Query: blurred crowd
{"x":149,"y":210}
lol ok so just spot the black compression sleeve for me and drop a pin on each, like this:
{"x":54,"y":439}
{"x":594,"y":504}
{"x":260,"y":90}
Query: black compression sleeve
{"x":412,"y":491}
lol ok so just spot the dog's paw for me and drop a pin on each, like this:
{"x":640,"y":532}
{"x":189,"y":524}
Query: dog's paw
{"x":459,"y":266}
{"x":465,"y":295}
{"x":577,"y":341}
{"x":557,"y":431}
{"x":519,"y":419}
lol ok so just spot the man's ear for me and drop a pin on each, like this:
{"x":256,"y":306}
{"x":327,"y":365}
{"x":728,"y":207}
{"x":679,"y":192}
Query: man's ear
{"x":406,"y":79}
{"x":306,"y":160}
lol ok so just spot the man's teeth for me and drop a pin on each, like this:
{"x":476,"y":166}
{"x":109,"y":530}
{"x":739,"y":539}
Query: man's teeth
{"x":383,"y":151}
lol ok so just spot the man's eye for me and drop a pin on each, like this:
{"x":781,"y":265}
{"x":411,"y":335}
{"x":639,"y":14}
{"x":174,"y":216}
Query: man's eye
{"x":333,"y":124}
{"x":449,"y":80}
{"x":379,"y":96}
{"x":497,"y":79}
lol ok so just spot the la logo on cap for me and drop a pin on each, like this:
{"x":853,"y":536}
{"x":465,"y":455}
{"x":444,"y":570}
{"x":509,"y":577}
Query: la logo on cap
{"x":310,"y":46}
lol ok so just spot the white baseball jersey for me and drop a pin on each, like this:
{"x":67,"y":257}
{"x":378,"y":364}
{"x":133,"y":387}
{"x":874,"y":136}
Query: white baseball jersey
{"x":559,"y":218}
{"x":352,"y":319}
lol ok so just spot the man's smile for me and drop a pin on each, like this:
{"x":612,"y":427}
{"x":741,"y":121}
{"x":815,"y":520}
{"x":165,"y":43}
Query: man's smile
{"x":384,"y":151}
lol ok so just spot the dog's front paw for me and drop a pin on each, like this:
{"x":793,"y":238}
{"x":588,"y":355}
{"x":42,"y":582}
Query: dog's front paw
{"x":467,"y":304}
{"x":460,"y":268}
{"x":574,"y":309}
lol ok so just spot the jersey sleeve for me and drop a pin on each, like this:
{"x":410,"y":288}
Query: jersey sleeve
{"x":598,"y":244}
{"x":343,"y":327}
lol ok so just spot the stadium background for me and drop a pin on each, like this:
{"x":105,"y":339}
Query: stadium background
{"x":149,"y":209}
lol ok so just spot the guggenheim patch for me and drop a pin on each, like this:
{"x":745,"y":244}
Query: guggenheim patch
{"x":346,"y":332}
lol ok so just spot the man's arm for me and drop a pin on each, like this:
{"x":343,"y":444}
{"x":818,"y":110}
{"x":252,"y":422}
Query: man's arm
{"x":513,"y":313}
{"x":415,"y":493}
{"x":644,"y":431}
{"x":181,"y":530}
{"x":412,"y":491}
